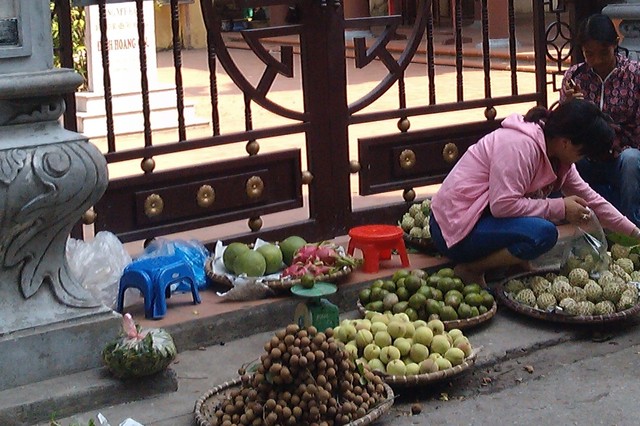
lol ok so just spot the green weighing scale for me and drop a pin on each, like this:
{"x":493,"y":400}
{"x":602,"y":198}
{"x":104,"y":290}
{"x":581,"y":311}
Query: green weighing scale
{"x":316,"y":311}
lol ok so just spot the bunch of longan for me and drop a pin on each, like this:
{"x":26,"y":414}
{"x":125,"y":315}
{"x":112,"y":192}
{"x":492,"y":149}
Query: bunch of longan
{"x":304,"y":378}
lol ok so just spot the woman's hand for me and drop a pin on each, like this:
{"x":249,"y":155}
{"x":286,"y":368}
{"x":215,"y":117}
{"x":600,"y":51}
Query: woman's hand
{"x":576,"y":210}
{"x":572,"y":91}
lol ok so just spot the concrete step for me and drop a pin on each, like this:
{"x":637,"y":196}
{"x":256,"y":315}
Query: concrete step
{"x":66,"y":395}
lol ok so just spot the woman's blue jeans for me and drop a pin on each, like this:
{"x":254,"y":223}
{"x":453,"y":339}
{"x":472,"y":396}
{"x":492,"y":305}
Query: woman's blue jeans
{"x":618,"y":181}
{"x":525,"y":237}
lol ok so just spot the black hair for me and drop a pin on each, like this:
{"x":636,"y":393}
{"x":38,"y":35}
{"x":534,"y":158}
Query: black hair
{"x":597,"y":27}
{"x":580,"y":121}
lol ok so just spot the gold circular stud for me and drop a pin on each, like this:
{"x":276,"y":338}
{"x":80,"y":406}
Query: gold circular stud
{"x":89,"y":217}
{"x":153,"y":205}
{"x":490,"y":113}
{"x":409,"y":195}
{"x":253,"y":147}
{"x":407,"y":159}
{"x":206,"y":196}
{"x":354,"y":167}
{"x":404,"y":124}
{"x":254,"y":187}
{"x":307,"y":177}
{"x":148,"y":165}
{"x":450,"y":152}
{"x":255,"y":223}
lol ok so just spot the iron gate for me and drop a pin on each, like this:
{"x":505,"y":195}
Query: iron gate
{"x":154,"y":202}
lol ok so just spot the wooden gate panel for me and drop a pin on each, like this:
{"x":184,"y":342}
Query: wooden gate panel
{"x":135,"y":207}
{"x":406,"y":160}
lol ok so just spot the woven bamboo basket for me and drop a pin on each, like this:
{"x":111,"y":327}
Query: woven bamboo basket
{"x":276,"y":285}
{"x":460,"y":324}
{"x":422,"y":379}
{"x":208,"y":403}
{"x":557,"y":316}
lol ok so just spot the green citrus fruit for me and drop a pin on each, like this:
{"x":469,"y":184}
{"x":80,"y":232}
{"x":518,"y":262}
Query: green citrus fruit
{"x":290,"y":246}
{"x":231,"y":252}
{"x":307,"y":281}
{"x":251,"y":263}
{"x":273,"y":257}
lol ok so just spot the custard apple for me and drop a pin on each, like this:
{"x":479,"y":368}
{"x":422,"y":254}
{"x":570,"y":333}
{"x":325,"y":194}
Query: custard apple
{"x":619,"y":251}
{"x":569,"y":306}
{"x":526,"y":297}
{"x":546,"y":301}
{"x":578,"y":277}
{"x":625,"y":303}
{"x":593,"y":292}
{"x":626,"y":264}
{"x":561,"y":290}
{"x":540,"y":285}
{"x":579,"y":295}
{"x":605,"y":307}
{"x":585,"y":308}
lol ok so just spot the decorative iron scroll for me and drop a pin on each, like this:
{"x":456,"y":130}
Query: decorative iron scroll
{"x":558,"y":36}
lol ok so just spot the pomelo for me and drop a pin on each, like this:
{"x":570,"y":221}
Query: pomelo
{"x":273,"y":257}
{"x":251,"y":263}
{"x":231,"y":252}
{"x":289,"y":247}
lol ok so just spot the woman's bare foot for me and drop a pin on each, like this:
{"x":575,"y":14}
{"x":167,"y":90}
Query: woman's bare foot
{"x":469,"y":276}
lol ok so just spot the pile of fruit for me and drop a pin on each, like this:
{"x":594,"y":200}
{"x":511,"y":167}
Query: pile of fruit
{"x":416,"y":221}
{"x":421,"y":296}
{"x":293,"y":257}
{"x":394,"y":345}
{"x":304,"y":378}
{"x":577,"y":293}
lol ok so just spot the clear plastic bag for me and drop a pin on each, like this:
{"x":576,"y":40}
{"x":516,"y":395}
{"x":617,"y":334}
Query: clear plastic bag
{"x":192,"y":252}
{"x":98,"y":264}
{"x":587,"y":249}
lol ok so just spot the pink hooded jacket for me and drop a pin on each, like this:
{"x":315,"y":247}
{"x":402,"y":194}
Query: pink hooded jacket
{"x":509,"y":171}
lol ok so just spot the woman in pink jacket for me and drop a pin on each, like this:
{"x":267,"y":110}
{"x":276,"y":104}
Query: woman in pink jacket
{"x":492,"y":210}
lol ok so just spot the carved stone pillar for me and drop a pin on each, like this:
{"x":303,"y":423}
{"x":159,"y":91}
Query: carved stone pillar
{"x":48,"y":178}
{"x":628,"y":14}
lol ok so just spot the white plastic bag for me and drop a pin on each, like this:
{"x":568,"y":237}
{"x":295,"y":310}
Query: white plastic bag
{"x":98,"y":265}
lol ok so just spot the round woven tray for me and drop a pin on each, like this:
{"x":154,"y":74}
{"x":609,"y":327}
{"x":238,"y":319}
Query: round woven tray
{"x":276,"y":285}
{"x":557,"y":316}
{"x":207,"y":404}
{"x":460,"y":324}
{"x":421,"y":379}
{"x":424,"y":245}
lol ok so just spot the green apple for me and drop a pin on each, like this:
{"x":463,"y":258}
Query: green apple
{"x":363,"y":338}
{"x":371,"y":351}
{"x":378,"y":317}
{"x":378,"y":326}
{"x":436,"y":326}
{"x":443,"y":364}
{"x":455,"y":333}
{"x":428,"y":366}
{"x":389,"y":353}
{"x":363,"y":324}
{"x":410,"y":329}
{"x":440,"y":344}
{"x":412,"y":369}
{"x":396,"y":329}
{"x":418,"y":352}
{"x":382,"y":339}
{"x":376,"y":365}
{"x":455,"y":356}
{"x":396,"y":368}
{"x":403,"y":345}
{"x":423,"y":335}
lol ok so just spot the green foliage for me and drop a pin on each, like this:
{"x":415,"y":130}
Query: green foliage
{"x":77,"y":37}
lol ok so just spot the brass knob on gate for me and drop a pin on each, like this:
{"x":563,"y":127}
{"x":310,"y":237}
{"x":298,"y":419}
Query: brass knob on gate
{"x":307,"y":177}
{"x":206,"y":196}
{"x":89,"y":217}
{"x":450,"y":152}
{"x":407,"y":159}
{"x":153,"y":205}
{"x":254,"y":187}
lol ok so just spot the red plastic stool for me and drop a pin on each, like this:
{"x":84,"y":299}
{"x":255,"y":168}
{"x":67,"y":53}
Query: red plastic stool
{"x":376,"y":243}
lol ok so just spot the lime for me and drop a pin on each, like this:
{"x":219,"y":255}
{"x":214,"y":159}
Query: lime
{"x":471,"y":288}
{"x":251,"y":263}
{"x":290,"y":246}
{"x":365,"y":296}
{"x":307,"y":281}
{"x":446,"y":272}
{"x":425,"y":290}
{"x":403,"y":294}
{"x":231,"y":252}
{"x":400,"y":273}
{"x":417,"y":301}
{"x":448,"y":313}
{"x":412,"y":314}
{"x":473,"y":299}
{"x":412,"y":283}
{"x":273,"y":257}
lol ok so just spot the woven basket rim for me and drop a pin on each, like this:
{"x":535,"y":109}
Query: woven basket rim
{"x":282,"y":284}
{"x":370,"y":417}
{"x":460,"y":323}
{"x":421,"y":379}
{"x":553,"y":316}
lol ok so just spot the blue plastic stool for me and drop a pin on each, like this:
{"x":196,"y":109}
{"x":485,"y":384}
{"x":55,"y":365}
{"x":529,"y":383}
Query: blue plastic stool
{"x":153,"y":277}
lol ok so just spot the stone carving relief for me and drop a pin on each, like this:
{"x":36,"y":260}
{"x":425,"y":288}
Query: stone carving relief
{"x":43,"y":192}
